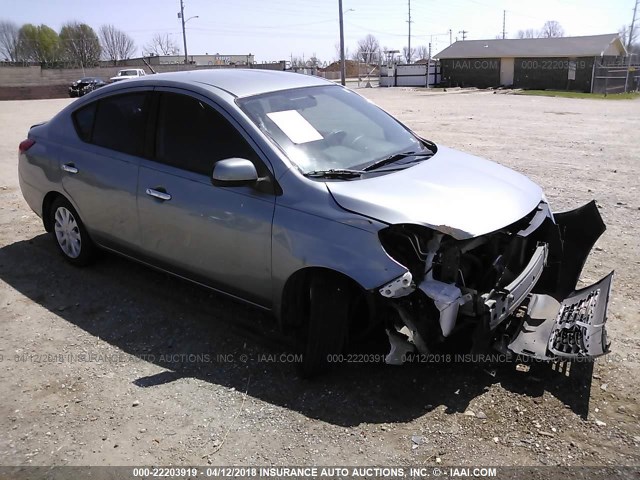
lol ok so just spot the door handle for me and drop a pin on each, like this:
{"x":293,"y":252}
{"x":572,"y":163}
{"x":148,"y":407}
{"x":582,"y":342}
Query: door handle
{"x":69,"y":168}
{"x":157,"y":194}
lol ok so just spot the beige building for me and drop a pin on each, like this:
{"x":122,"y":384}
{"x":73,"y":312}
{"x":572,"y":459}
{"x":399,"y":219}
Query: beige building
{"x":198,"y":60}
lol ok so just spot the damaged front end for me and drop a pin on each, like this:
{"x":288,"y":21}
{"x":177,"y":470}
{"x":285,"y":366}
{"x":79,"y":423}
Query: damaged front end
{"x":512,"y":290}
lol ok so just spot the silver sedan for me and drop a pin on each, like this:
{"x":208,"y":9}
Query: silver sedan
{"x":300,"y":197}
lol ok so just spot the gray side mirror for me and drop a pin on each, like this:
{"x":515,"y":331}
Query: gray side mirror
{"x":234,"y":172}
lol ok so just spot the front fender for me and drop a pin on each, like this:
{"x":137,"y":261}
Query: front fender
{"x":302,"y":240}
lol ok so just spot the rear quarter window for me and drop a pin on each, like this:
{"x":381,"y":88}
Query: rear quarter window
{"x":83,"y":121}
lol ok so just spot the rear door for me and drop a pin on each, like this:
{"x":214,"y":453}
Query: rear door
{"x":219,"y":236}
{"x":101,"y":177}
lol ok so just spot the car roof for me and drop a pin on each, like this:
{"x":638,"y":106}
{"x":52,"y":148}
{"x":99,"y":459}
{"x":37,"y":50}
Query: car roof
{"x":242,"y":82}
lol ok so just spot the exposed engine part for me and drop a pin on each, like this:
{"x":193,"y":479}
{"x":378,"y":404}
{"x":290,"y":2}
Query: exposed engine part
{"x":408,"y":328}
{"x":400,"y":287}
{"x":447,"y":299}
{"x":408,"y":245}
{"x":433,"y":246}
{"x":400,"y":346}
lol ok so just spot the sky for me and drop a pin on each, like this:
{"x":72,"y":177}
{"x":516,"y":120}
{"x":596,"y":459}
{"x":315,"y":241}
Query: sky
{"x":278,"y":29}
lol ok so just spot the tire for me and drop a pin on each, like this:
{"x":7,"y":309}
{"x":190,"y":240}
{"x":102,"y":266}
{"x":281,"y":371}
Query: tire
{"x":327,"y":323}
{"x":70,"y":235}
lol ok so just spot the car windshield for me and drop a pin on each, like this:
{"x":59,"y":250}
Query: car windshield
{"x":127,"y":73}
{"x":329,"y":128}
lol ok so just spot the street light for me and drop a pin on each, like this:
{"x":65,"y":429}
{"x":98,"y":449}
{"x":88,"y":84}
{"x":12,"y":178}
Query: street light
{"x":184,"y":32}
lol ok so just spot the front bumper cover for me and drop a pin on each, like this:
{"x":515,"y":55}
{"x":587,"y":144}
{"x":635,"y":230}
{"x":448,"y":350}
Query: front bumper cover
{"x":571,"y":329}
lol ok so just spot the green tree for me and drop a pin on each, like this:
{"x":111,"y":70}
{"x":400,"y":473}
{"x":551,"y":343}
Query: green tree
{"x":38,"y":44}
{"x":79,"y":44}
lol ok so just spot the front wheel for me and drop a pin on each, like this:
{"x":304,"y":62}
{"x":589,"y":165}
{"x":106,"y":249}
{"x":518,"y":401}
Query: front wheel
{"x":71,"y":237}
{"x":328,"y":323}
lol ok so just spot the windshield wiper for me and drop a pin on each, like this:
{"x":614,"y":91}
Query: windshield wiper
{"x":394,"y":158}
{"x":336,"y":173}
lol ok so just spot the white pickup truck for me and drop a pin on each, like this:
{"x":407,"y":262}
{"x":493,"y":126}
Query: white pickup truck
{"x":127,"y":74}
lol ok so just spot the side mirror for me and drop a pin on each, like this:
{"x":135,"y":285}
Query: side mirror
{"x":234,"y":172}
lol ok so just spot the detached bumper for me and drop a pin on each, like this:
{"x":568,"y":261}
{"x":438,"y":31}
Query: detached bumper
{"x":571,"y":329}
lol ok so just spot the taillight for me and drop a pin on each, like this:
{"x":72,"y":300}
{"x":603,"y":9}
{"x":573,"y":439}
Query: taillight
{"x":26,"y":145}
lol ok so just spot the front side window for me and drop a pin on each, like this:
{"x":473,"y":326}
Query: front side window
{"x":120,"y":123}
{"x":323,"y":128}
{"x":193,"y":136}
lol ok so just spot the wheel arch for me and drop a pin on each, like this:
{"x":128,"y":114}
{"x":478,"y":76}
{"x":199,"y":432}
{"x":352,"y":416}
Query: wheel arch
{"x":47,"y":202}
{"x":294,"y":301}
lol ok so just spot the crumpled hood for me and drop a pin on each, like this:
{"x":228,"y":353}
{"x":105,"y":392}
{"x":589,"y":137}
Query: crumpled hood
{"x":453,"y":192}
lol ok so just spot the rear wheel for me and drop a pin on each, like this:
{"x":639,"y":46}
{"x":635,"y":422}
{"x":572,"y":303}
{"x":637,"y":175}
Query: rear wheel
{"x":327,"y":323}
{"x":69,"y":233}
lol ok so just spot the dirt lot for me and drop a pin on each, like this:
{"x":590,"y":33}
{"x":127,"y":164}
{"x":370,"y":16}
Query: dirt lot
{"x":131,"y":395}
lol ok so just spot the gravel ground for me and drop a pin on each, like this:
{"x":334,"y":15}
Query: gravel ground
{"x":94,"y":366}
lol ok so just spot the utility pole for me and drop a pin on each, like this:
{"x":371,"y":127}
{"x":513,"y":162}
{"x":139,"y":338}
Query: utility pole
{"x":450,"y":37}
{"x":633,"y":21}
{"x":464,"y":34}
{"x":409,"y":46}
{"x":184,"y":33}
{"x":429,"y":66}
{"x":343,"y":70}
{"x":504,"y":23}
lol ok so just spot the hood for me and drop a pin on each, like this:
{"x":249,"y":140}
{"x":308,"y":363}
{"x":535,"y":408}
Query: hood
{"x":452,"y":192}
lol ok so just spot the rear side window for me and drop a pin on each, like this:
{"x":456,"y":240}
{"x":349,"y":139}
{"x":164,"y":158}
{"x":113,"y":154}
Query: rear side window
{"x":120,"y":123}
{"x":193,"y":136}
{"x":83,"y":121}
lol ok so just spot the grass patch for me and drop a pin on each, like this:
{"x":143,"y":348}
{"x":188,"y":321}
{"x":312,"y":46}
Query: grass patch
{"x":565,"y":94}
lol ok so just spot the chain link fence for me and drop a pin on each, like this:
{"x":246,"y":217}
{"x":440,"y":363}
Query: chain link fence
{"x":620,"y":76}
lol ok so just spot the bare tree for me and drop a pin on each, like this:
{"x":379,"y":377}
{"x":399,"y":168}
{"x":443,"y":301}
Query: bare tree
{"x":624,"y":35}
{"x":528,"y":33}
{"x":422,"y":52}
{"x":9,"y":35}
{"x":368,"y":49}
{"x":116,"y":44}
{"x":408,"y":55}
{"x":313,"y":61}
{"x":346,"y":51}
{"x":551,"y":29}
{"x":80,"y":44}
{"x":297,"y":62}
{"x":162,"y":44}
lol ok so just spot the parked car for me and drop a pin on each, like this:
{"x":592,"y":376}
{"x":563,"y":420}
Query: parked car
{"x":302,"y":198}
{"x":127,"y":74}
{"x":85,"y":85}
